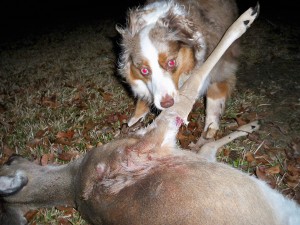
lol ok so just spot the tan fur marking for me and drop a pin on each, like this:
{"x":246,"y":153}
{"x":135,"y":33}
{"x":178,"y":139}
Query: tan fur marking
{"x":185,"y":61}
{"x":162,"y":60}
{"x":218,"y":90}
{"x":136,"y":74}
{"x":141,"y":108}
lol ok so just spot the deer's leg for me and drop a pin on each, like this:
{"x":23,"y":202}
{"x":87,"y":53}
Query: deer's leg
{"x":210,"y":149}
{"x":141,"y":110}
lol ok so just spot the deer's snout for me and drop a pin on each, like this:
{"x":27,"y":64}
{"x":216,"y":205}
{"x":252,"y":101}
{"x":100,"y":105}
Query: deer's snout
{"x":167,"y":101}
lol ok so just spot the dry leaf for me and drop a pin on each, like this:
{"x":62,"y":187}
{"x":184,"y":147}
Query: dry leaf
{"x":69,"y":134}
{"x":30,"y":215}
{"x":40,"y":133}
{"x":106,"y":96}
{"x":241,"y":121}
{"x":68,"y":156}
{"x":249,"y":157}
{"x":63,"y":221}
{"x":49,"y":101}
{"x":226,"y":152}
{"x":47,"y":158}
{"x":273,"y":170}
{"x":261,"y":174}
{"x":122,"y":118}
{"x":293,"y":169}
{"x":7,"y":150}
{"x":63,"y":141}
{"x":262,"y":159}
{"x":44,"y":160}
{"x":68,"y":211}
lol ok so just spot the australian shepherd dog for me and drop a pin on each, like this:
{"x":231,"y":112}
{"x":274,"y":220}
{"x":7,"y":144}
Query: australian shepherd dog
{"x":164,"y":40}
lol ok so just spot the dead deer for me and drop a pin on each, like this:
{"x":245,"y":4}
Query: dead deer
{"x":147,"y":179}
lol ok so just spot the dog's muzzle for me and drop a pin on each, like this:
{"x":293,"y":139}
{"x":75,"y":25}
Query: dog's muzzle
{"x":167,"y":101}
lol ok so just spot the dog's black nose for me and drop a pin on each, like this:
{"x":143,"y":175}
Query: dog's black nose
{"x":167,"y":101}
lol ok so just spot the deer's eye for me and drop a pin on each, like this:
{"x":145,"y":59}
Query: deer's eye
{"x":145,"y":71}
{"x":171,"y":64}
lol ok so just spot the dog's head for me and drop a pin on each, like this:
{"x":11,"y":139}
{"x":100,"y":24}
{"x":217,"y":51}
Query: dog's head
{"x":161,"y":45}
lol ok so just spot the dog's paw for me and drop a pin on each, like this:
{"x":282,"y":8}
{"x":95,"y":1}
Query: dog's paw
{"x":211,"y":133}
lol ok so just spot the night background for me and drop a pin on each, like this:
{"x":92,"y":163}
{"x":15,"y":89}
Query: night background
{"x":18,"y":18}
{"x":61,"y":94}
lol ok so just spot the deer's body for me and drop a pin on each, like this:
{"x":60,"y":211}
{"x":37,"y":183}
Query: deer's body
{"x":147,"y":179}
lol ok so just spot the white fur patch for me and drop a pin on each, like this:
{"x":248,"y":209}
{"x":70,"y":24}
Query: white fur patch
{"x":140,"y":89}
{"x":200,"y":55}
{"x":214,"y":109}
{"x":161,"y":83}
{"x":159,"y":9}
{"x":287,"y":211}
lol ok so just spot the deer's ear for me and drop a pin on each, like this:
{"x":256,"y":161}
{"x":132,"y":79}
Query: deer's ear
{"x":12,"y":184}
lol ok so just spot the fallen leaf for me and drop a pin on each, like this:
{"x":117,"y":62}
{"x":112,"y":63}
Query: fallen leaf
{"x":68,"y":211}
{"x":240,"y":121}
{"x":41,"y":133}
{"x":273,"y":170}
{"x":47,"y":158}
{"x":122,"y":118}
{"x":262,"y":159}
{"x":44,"y":160}
{"x":30,"y":215}
{"x":68,"y":134}
{"x":249,"y":157}
{"x":261,"y":174}
{"x":226,"y":152}
{"x":106,"y":96}
{"x":63,"y":141}
{"x":63,"y":221}
{"x":7,"y":150}
{"x":49,"y":101}
{"x":68,"y":156}
{"x":293,"y":169}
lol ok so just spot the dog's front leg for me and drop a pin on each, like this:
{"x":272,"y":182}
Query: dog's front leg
{"x":141,"y":110}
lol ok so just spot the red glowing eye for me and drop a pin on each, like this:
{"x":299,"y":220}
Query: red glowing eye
{"x":171,"y":63}
{"x":144,"y":71}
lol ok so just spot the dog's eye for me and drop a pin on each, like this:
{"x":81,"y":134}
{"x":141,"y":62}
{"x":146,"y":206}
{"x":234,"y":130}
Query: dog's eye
{"x":171,"y":63}
{"x":145,"y":71}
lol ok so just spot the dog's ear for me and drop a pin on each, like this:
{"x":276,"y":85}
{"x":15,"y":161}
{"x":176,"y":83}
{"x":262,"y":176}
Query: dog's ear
{"x":134,"y":23}
{"x":183,"y":29}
